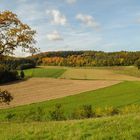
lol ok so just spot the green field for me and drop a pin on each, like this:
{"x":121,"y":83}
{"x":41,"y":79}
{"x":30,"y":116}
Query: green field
{"x":129,"y":73}
{"x":121,"y":127}
{"x":20,"y":122}
{"x":119,"y":95}
{"x":43,"y":72}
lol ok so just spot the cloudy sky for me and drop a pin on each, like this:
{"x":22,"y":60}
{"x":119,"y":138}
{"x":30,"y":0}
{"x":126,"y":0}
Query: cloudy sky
{"x":108,"y":25}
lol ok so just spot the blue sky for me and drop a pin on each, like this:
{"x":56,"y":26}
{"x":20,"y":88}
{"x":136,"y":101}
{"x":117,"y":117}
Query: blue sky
{"x":107,"y":25}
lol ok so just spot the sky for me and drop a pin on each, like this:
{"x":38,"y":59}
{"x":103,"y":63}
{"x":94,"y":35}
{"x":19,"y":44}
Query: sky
{"x":105,"y":25}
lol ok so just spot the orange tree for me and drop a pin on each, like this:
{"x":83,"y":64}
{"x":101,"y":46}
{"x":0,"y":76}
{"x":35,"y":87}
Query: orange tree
{"x":14,"y":34}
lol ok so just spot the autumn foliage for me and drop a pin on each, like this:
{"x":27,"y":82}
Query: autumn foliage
{"x":14,"y":33}
{"x":88,"y":58}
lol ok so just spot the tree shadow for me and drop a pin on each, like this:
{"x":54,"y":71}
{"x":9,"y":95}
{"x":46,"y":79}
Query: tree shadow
{"x":15,"y":82}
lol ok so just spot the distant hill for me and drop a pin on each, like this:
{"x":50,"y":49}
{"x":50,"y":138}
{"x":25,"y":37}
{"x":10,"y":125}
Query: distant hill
{"x":87,"y":58}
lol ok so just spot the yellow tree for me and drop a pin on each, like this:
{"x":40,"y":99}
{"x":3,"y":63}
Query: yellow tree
{"x":14,"y":34}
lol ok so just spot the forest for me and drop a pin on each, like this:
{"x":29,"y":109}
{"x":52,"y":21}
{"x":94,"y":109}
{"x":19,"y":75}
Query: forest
{"x":87,"y":58}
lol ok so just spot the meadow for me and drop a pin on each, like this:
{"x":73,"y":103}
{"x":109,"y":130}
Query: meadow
{"x":69,"y":95}
{"x":43,"y":72}
{"x":125,"y":70}
{"x":122,"y":127}
{"x":103,"y":73}
{"x":124,"y":73}
{"x":116,"y":89}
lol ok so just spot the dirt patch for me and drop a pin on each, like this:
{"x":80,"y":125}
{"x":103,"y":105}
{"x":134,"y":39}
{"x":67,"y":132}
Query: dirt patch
{"x":42,"y":89}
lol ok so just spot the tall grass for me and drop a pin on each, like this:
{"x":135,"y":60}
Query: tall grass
{"x":122,"y":127}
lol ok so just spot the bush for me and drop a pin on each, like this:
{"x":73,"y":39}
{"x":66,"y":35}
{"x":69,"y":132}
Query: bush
{"x":7,"y":75}
{"x":5,"y":97}
{"x":99,"y":112}
{"x":137,"y":63}
{"x":33,"y":115}
{"x":10,"y":116}
{"x":83,"y":112}
{"x":130,"y":109}
{"x":22,"y":75}
{"x":110,"y":111}
{"x":57,"y":114}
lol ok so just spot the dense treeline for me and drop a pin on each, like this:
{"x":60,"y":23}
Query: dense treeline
{"x":87,"y":58}
{"x":7,"y":75}
{"x":17,"y":63}
{"x":9,"y":67}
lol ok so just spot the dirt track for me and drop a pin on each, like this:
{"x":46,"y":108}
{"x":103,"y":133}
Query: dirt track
{"x":42,"y":89}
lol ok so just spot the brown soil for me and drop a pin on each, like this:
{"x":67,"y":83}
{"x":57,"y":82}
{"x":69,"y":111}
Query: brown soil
{"x":42,"y":89}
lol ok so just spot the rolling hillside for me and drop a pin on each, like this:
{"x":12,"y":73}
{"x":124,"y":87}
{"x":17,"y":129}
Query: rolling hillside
{"x":119,"y":95}
{"x":123,"y":127}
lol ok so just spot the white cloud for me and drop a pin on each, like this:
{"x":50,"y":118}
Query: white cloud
{"x":88,"y":20}
{"x":54,"y":36}
{"x":71,"y":1}
{"x":57,"y":17}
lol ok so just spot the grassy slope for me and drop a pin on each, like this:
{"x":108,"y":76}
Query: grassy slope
{"x":126,"y":70}
{"x":43,"y":72}
{"x":85,"y":73}
{"x":124,"y":127}
{"x":118,"y":96}
{"x":106,"y":73}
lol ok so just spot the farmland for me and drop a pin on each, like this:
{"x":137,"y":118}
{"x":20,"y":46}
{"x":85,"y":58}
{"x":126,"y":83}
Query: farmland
{"x":41,"y":89}
{"x":69,"y":70}
{"x":119,"y":95}
{"x":105,"y":73}
{"x":42,"y":72}
{"x":42,"y":81}
{"x":72,"y":87}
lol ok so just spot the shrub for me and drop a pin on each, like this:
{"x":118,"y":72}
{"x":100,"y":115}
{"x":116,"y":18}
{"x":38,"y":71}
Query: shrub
{"x":98,"y":112}
{"x":57,"y":114}
{"x":7,"y":75}
{"x":5,"y":97}
{"x":137,"y":63}
{"x":110,"y":111}
{"x":10,"y":116}
{"x":130,"y":109}
{"x":22,"y":75}
{"x":33,"y":115}
{"x":85,"y":111}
